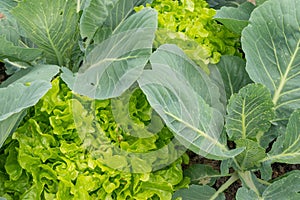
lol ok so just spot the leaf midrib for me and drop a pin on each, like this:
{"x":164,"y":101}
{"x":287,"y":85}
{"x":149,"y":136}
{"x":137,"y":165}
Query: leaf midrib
{"x":284,"y":79}
{"x":201,"y":133}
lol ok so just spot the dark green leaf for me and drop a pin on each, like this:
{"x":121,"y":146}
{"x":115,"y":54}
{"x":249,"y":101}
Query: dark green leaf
{"x":251,"y":156}
{"x":200,"y":174}
{"x":94,"y":15}
{"x":9,"y":125}
{"x":235,"y":19}
{"x":245,"y":194}
{"x":286,"y":149}
{"x":285,"y":188}
{"x":16,"y":53}
{"x":266,"y":171}
{"x":259,"y":2}
{"x":271,"y":43}
{"x":249,"y":112}
{"x":234,"y":75}
{"x":51,"y":25}
{"x":197,"y":192}
{"x":217,"y":4}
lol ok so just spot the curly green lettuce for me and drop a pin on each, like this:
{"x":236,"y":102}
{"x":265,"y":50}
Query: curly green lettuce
{"x":190,"y":25}
{"x":67,"y":148}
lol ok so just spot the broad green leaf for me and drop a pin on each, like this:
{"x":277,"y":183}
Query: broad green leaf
{"x":216,"y":77}
{"x":16,"y":53}
{"x":13,"y":46}
{"x":9,"y":125}
{"x":115,"y":64}
{"x":31,"y":74}
{"x":286,"y":149}
{"x":275,"y":130}
{"x":234,"y":75}
{"x":251,"y":156}
{"x":51,"y":25}
{"x":8,"y":25}
{"x":17,"y":97}
{"x":245,"y":194}
{"x":259,"y":2}
{"x":235,"y":19}
{"x":217,"y":4}
{"x":249,"y":112}
{"x":197,"y":192}
{"x":23,"y":90}
{"x":287,"y":187}
{"x":271,"y":43}
{"x":187,"y":100}
{"x":200,"y":174}
{"x":94,"y":15}
{"x":117,"y":14}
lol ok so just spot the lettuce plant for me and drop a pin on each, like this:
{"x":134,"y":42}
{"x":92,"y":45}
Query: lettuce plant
{"x":51,"y":157}
{"x":190,"y":25}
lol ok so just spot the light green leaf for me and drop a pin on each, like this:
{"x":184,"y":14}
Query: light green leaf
{"x":271,"y":43}
{"x":196,"y":192}
{"x":235,"y":19}
{"x":187,"y":100}
{"x":246,"y":194}
{"x":249,"y":112}
{"x":251,"y":156}
{"x":234,"y":75}
{"x":286,"y":149}
{"x":51,"y":25}
{"x":112,"y":66}
{"x":285,"y":188}
{"x":201,"y":174}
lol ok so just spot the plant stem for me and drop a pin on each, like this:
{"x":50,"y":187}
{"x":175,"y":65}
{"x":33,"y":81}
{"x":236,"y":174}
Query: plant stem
{"x":226,"y":185}
{"x":263,"y":182}
{"x":78,"y":6}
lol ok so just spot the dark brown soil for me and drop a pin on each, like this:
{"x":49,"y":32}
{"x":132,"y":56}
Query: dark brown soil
{"x":3,"y":76}
{"x":278,"y":170}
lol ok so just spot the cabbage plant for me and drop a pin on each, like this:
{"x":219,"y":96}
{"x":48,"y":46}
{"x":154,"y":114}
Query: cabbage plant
{"x":262,"y":114}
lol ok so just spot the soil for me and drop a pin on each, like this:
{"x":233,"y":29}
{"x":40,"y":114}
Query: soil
{"x":3,"y":75}
{"x":278,"y":170}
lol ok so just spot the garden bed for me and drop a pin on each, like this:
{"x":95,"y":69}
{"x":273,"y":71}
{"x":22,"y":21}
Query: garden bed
{"x":149,"y":100}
